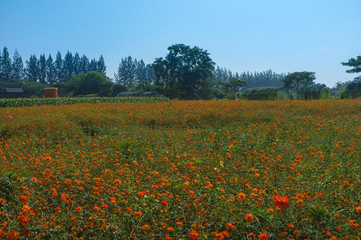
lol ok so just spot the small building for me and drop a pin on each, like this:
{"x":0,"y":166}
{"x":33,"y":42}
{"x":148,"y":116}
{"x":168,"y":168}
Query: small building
{"x":149,"y":93}
{"x":12,"y":92}
{"x":128,"y":94}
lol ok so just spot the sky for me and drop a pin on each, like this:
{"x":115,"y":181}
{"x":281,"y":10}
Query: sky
{"x":254,"y":35}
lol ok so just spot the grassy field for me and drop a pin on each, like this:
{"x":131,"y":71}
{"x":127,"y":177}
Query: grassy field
{"x":181,"y":170}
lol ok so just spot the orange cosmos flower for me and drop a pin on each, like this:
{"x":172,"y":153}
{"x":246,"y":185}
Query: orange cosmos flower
{"x":263,"y":236}
{"x":358,"y":209}
{"x":249,"y":217}
{"x":23,"y":199}
{"x":179,"y":224}
{"x":13,"y":235}
{"x":281,"y":202}
{"x":137,"y":214}
{"x":164,"y":203}
{"x":242,"y":196}
{"x":230,"y":226}
{"x":193,"y":235}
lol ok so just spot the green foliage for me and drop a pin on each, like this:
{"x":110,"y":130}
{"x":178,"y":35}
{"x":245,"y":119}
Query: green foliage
{"x":355,"y":63}
{"x":184,"y":73}
{"x":315,"y":91}
{"x":233,"y":85}
{"x":21,"y":102}
{"x":261,"y":94}
{"x":295,"y":81}
{"x":353,"y":88}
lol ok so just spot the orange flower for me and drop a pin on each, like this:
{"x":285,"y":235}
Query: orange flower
{"x":251,"y":235}
{"x":96,"y":208}
{"x":193,"y":235}
{"x":170,"y":229}
{"x":145,"y":227}
{"x":263,"y":236}
{"x":291,"y":226}
{"x":13,"y":235}
{"x":167,"y":238}
{"x":358,"y":209}
{"x":242,"y":196}
{"x":218,"y":236}
{"x":137,"y":214}
{"x":164,"y":203}
{"x":230,"y":226}
{"x":281,"y":202}
{"x":179,"y":224}
{"x":23,"y":199}
{"x":249,"y":217}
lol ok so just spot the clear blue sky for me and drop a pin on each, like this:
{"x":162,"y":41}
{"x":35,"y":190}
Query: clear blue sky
{"x":253,"y":35}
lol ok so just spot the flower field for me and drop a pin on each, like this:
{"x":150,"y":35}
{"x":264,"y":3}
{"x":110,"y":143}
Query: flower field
{"x":181,"y":170}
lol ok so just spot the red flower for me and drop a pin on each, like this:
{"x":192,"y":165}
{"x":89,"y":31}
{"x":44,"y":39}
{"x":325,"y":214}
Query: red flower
{"x":281,"y":202}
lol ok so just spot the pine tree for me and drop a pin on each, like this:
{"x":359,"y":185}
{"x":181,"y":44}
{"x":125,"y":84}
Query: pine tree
{"x":58,"y":64}
{"x":6,"y":66}
{"x":93,"y":66}
{"x":32,"y":69}
{"x":68,"y":66}
{"x":101,"y":65}
{"x":50,"y":71}
{"x":76,"y":64}
{"x":17,"y":67}
{"x":42,"y":69}
{"x":84,"y":64}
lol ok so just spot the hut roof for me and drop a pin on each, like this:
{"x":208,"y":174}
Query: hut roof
{"x":14,"y":90}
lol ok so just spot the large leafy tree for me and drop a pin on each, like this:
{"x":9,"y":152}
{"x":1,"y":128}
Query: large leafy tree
{"x":93,"y":83}
{"x":184,"y":73}
{"x":295,"y":81}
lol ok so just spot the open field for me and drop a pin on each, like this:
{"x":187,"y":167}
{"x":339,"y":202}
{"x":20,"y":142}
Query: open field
{"x":182,"y":169}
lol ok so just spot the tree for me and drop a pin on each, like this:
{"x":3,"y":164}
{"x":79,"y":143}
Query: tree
{"x":17,"y":67}
{"x":84,"y":64}
{"x":126,"y":72}
{"x":184,"y":73}
{"x":42,"y":69}
{"x":101,"y":65}
{"x":76,"y":64}
{"x":94,"y":83}
{"x":355,"y":63}
{"x":233,"y":85}
{"x":294,"y":81}
{"x":50,"y":71}
{"x":5,"y":66}
{"x":68,"y":66}
{"x":32,"y":69}
{"x":58,"y":64}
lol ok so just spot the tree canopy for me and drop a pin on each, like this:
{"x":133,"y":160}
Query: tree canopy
{"x":295,"y":81}
{"x":355,"y":63}
{"x":184,"y":73}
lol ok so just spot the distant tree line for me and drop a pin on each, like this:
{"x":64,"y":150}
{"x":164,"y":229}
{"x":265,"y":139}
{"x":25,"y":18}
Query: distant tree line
{"x":44,"y":69}
{"x":184,"y":73}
